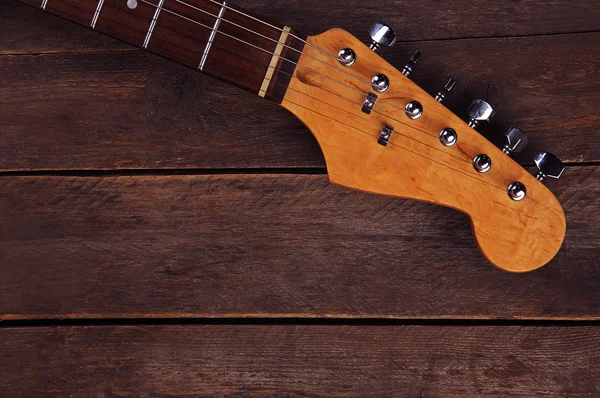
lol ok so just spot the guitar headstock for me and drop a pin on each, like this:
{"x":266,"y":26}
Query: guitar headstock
{"x":381,"y":133}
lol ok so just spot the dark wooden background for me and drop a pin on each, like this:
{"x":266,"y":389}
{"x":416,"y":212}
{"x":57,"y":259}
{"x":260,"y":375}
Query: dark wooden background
{"x":163,"y":234}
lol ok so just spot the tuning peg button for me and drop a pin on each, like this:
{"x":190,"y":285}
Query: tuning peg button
{"x":382,"y":35}
{"x":479,"y":111}
{"x":549,"y":166}
{"x":515,"y":140}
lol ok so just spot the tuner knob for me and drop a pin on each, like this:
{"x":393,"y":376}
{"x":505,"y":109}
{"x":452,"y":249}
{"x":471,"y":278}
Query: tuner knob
{"x":409,"y":67}
{"x":549,"y":166}
{"x":515,"y":140}
{"x":441,"y":95}
{"x":382,"y":35}
{"x":479,"y":111}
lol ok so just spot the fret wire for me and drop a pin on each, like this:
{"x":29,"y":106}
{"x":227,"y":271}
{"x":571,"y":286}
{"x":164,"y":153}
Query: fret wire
{"x":239,"y":26}
{"x":153,"y":23}
{"x":274,"y":40}
{"x":96,"y":14}
{"x":279,"y":29}
{"x":211,"y":38}
{"x":214,"y":30}
{"x":295,"y":63}
{"x":44,"y":3}
{"x":373,"y":123}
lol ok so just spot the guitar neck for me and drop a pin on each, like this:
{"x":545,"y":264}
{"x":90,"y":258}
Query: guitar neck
{"x":212,"y":36}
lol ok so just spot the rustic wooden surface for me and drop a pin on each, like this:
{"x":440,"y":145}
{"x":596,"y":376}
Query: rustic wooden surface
{"x":126,"y":194}
{"x":301,"y":360}
{"x":123,"y":244}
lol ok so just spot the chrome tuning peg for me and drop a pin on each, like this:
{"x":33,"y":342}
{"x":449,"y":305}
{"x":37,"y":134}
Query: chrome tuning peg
{"x":548,"y":165}
{"x":441,"y":95}
{"x":382,"y":35}
{"x":515,"y":140}
{"x":479,"y":111}
{"x":411,"y":63}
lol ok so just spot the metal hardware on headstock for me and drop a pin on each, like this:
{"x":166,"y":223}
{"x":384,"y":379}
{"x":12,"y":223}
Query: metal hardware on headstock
{"x":380,"y":83}
{"x":438,"y":158}
{"x":382,"y":35}
{"x":482,"y":163}
{"x":411,"y":63}
{"x":448,"y":137}
{"x":369,"y":103}
{"x":479,"y":111}
{"x":384,"y":136}
{"x":347,"y":56}
{"x":548,"y":165}
{"x":441,"y":95}
{"x":515,"y":140}
{"x":414,"y":110}
{"x":516,"y":191}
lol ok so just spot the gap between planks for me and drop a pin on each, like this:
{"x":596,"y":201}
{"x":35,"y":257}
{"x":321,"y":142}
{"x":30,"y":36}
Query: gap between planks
{"x":13,"y":321}
{"x":135,"y":49}
{"x":199,"y":171}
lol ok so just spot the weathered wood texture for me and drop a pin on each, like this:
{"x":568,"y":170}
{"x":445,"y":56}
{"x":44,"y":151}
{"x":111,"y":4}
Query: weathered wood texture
{"x":26,"y":30}
{"x":270,"y":246}
{"x":283,"y":245}
{"x":377,"y":361}
{"x":129,"y":109}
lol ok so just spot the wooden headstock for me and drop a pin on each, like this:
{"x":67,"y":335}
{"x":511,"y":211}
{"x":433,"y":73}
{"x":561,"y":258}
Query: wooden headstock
{"x":516,"y":236}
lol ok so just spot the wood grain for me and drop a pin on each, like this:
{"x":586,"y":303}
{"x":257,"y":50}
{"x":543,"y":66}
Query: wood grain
{"x":375,"y":361}
{"x":270,"y":246}
{"x":135,"y":110}
{"x":25,"y":30}
{"x":516,"y":236}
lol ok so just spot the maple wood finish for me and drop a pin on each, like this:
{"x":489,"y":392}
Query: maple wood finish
{"x":516,"y":236}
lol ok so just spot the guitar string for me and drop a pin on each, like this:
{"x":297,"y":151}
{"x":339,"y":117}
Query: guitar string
{"x":270,"y":25}
{"x":408,"y":150}
{"x":283,"y":58}
{"x":377,"y":125}
{"x":368,"y":121}
{"x":297,"y":64}
{"x":328,"y":117}
{"x":347,"y":72}
{"x":389,"y":143}
{"x":371,"y":135}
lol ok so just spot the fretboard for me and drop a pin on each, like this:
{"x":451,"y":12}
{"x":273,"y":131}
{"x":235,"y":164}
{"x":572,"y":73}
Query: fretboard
{"x":212,"y":36}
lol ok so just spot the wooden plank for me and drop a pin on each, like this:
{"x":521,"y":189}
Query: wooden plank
{"x":26,"y":30}
{"x":272,"y":246}
{"x":134,"y":110}
{"x":301,"y":360}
